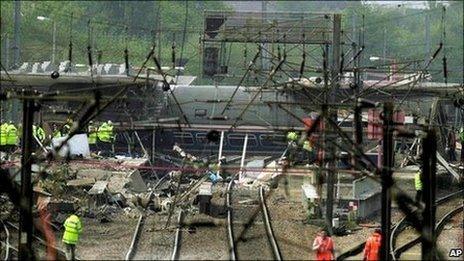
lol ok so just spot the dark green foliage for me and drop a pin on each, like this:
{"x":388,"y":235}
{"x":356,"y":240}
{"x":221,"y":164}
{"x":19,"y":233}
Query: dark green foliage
{"x":404,"y":28}
{"x":116,"y":24}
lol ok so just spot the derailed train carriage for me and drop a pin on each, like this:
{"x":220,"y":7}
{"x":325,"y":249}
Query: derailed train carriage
{"x":185,"y":114}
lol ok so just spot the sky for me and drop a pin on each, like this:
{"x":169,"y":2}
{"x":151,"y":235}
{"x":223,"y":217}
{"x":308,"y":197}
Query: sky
{"x":408,"y":4}
{"x":256,"y":5}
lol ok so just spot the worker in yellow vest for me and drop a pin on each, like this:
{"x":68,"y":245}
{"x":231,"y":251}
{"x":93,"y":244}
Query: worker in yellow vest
{"x":308,"y":151}
{"x":12,"y":138}
{"x":72,"y":230}
{"x":38,"y":133}
{"x":3,"y":135}
{"x":105,"y":132}
{"x":292,"y":138}
{"x":67,"y":127}
{"x":56,"y":133}
{"x":106,"y":136}
{"x":92,"y":132}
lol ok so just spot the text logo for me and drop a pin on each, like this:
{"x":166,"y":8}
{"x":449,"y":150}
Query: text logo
{"x":455,"y":252}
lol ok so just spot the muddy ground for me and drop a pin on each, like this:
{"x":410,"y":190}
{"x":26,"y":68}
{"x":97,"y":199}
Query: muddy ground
{"x":205,"y":237}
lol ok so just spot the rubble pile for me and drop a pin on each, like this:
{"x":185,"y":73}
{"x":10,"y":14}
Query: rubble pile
{"x":92,"y":188}
{"x":103,"y":188}
{"x":6,"y":207}
{"x":54,"y":180}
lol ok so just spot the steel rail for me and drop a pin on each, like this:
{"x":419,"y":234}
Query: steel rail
{"x":230,"y":229}
{"x":268,"y":226}
{"x":140,"y":223}
{"x":7,"y":242}
{"x":446,"y":218}
{"x":175,"y":250}
{"x":60,"y":254}
{"x":439,"y":228}
{"x":133,"y":246}
{"x":403,"y":224}
{"x":396,"y":229}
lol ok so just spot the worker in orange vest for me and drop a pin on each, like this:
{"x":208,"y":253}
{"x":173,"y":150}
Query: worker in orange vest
{"x":324,"y":246}
{"x":372,"y":247}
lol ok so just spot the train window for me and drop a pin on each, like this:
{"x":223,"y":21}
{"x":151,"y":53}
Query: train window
{"x":200,"y":112}
{"x":272,"y":139}
{"x":183,"y":138}
{"x":201,"y":138}
{"x":236,"y":140}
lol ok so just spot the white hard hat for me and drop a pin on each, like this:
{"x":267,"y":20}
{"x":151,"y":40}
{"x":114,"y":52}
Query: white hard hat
{"x":109,"y":122}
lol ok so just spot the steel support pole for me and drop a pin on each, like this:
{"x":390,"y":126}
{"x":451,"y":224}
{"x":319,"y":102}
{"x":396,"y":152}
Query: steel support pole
{"x":325,"y":140}
{"x":264,"y":55}
{"x":357,"y":121}
{"x":16,"y":54}
{"x":429,"y":163}
{"x":153,"y":146}
{"x":384,"y":53}
{"x":324,"y":134}
{"x":336,"y":46}
{"x":220,"y":154}
{"x":427,"y":37}
{"x":242,"y":161}
{"x":330,"y":160}
{"x":387,"y":180}
{"x":334,"y":85}
{"x":7,"y":53}
{"x":25,"y":211}
{"x":54,"y":43}
{"x":16,"y":32}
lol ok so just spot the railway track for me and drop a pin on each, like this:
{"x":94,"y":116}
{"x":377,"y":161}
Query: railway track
{"x":177,"y":240}
{"x":401,"y":226}
{"x":397,"y":252}
{"x":155,"y":244}
{"x":268,"y":226}
{"x":230,"y":223}
{"x":135,"y":238}
{"x":188,"y":246}
{"x":166,"y":244}
{"x":8,"y":248}
{"x":38,"y":243}
{"x":252,"y":232}
{"x":150,"y":241}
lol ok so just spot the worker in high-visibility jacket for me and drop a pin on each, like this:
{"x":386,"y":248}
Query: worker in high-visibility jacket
{"x":3,"y":135}
{"x":72,"y":230}
{"x":67,"y":126}
{"x":308,"y":151}
{"x":292,"y":147}
{"x":292,"y":136}
{"x":105,"y":132}
{"x":372,"y":247}
{"x":38,"y":132}
{"x":92,"y":132}
{"x":12,"y":138}
{"x":56,"y":133}
{"x":324,"y":246}
{"x":106,"y":137}
{"x":418,"y":186}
